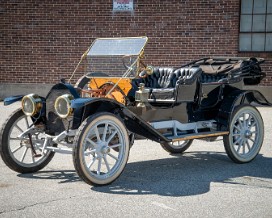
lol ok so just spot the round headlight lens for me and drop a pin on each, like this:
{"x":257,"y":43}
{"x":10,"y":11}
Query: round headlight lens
{"x":31,"y":104}
{"x":63,"y":105}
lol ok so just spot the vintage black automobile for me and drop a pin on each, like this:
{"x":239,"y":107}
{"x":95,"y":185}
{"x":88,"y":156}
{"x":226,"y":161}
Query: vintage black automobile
{"x":121,"y":99}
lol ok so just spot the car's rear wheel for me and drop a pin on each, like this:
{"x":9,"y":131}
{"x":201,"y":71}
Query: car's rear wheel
{"x":246,"y":134}
{"x":17,"y":153}
{"x":177,"y":147}
{"x":101,"y":149}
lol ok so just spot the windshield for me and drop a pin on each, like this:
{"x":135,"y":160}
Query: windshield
{"x":115,"y":56}
{"x":117,"y":46}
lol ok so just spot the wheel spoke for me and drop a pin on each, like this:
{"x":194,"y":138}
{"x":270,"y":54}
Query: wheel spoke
{"x":15,"y":139}
{"x":111,"y":136}
{"x":99,"y":166}
{"x":91,"y":142}
{"x":248,"y":120}
{"x":240,"y":145}
{"x":253,"y":124}
{"x":27,"y":123}
{"x":86,"y":153}
{"x":237,"y":140}
{"x":16,"y":149}
{"x":244,"y":120}
{"x":115,"y":146}
{"x":91,"y":163}
{"x":240,"y":123}
{"x":251,"y":140}
{"x":106,"y":162}
{"x":111,"y":155}
{"x":32,"y":157}
{"x":253,"y":132}
{"x":237,"y":127}
{"x":238,"y":149}
{"x":105,"y":132}
{"x":244,"y":146}
{"x":24,"y":154}
{"x":248,"y":145}
{"x":97,"y":134}
{"x":18,"y":128}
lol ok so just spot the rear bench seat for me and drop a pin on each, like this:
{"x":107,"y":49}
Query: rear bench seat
{"x":162,"y":84}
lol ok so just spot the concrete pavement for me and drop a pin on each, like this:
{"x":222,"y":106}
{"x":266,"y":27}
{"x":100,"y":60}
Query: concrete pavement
{"x":203,"y":182}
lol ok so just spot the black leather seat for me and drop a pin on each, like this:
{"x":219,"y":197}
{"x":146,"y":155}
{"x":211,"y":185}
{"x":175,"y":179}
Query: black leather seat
{"x":162,"y":77}
{"x":169,"y":77}
{"x":187,"y":75}
{"x":209,"y":78}
{"x":163,"y":82}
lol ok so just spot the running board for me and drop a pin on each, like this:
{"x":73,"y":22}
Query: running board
{"x":198,"y":135}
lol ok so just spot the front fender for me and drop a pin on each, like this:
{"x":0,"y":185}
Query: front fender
{"x":85,"y":107}
{"x":12,"y":99}
{"x":95,"y":104}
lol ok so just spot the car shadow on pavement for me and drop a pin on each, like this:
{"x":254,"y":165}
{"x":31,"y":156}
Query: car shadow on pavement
{"x":65,"y":176}
{"x":189,"y":174}
{"x":180,"y":175}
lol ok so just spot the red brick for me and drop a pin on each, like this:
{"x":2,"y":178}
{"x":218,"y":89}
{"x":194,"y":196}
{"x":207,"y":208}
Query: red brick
{"x":42,"y":41}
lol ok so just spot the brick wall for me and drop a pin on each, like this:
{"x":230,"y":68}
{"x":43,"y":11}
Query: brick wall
{"x":42,"y":41}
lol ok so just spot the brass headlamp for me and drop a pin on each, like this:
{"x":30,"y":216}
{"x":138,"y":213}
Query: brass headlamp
{"x":63,"y":105}
{"x":31,"y":104}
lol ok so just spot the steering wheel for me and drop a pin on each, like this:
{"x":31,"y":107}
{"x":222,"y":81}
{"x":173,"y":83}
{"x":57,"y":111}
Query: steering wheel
{"x":128,"y":60}
{"x":143,"y":74}
{"x":148,"y":70}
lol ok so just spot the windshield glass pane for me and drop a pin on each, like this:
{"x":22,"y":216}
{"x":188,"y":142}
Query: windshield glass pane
{"x":117,"y":46}
{"x":114,"y":56}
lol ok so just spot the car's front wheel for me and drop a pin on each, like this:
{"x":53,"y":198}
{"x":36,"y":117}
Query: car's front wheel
{"x":101,"y":149}
{"x":23,"y":155}
{"x":246,"y":134}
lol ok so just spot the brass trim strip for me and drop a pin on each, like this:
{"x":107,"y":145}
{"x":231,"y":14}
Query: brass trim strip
{"x":203,"y":135}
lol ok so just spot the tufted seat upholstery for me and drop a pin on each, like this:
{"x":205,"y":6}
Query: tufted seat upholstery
{"x":163,"y":77}
{"x":208,"y":78}
{"x":187,"y":75}
{"x":163,"y":82}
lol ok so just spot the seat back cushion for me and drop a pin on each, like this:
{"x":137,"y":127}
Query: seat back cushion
{"x":165,"y":77}
{"x":187,"y":75}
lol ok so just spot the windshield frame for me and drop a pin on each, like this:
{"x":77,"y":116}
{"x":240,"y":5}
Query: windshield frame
{"x":139,"y":55}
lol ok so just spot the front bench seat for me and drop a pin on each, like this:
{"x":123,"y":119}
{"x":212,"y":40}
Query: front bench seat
{"x":164,"y":77}
{"x":171,"y":81}
{"x":163,"y":83}
{"x":160,"y":78}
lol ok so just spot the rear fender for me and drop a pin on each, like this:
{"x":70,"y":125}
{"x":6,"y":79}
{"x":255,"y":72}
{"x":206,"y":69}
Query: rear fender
{"x":134,"y":123}
{"x":234,"y":99}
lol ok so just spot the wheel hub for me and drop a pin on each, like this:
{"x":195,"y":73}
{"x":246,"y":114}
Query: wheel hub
{"x":102,"y":149}
{"x":248,"y":134}
{"x":25,"y":143}
{"x":105,"y":150}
